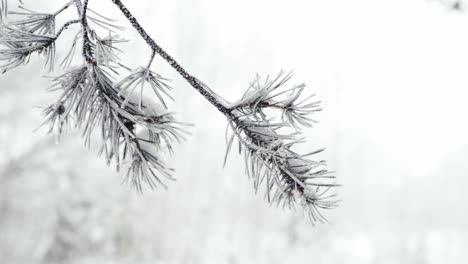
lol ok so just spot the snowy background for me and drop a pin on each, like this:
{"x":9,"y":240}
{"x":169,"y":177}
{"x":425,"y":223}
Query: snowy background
{"x":393,"y":79}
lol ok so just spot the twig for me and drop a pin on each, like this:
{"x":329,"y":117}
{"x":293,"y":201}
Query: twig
{"x":87,"y":45}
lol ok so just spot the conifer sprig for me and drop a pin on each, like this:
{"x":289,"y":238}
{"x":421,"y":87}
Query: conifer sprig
{"x":289,"y":179}
{"x":135,"y":130}
{"x":90,"y":100}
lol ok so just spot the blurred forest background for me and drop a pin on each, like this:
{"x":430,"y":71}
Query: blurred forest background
{"x":393,"y":79}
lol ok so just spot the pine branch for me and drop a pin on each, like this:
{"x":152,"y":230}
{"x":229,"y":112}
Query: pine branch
{"x":135,"y":129}
{"x":289,"y":178}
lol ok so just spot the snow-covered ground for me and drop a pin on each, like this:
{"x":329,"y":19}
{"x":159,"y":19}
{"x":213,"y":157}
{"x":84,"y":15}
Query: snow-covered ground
{"x":393,"y":79}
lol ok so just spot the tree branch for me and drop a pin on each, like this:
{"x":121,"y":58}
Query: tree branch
{"x":134,"y":129}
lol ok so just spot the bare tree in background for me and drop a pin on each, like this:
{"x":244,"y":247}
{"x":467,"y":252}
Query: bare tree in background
{"x":136,"y":127}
